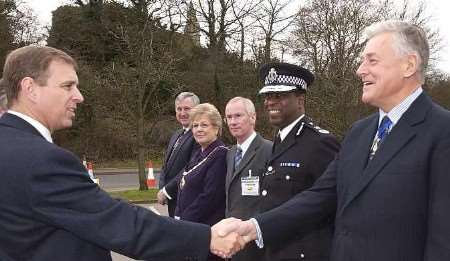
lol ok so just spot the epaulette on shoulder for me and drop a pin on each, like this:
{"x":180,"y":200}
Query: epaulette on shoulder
{"x":316,"y":128}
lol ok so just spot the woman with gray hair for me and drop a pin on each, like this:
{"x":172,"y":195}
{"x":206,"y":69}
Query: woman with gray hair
{"x":201,"y":186}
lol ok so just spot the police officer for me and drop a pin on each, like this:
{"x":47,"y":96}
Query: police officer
{"x":300,"y":154}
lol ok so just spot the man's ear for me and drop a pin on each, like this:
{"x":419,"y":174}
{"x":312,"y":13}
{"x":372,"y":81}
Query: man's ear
{"x":301,"y":99}
{"x":28,"y":88}
{"x":253,"y":118}
{"x":411,"y":65}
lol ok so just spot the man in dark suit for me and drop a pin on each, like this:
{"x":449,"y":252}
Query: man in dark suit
{"x":389,"y":187}
{"x":301,"y":153}
{"x":179,"y":150}
{"x":49,"y":207}
{"x":245,"y":165}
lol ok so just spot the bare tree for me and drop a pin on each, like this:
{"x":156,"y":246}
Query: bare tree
{"x":144,"y":75}
{"x":274,"y":17}
{"x":327,"y":39}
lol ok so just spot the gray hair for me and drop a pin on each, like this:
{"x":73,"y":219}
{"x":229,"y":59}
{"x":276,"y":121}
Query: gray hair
{"x":248,"y":104}
{"x":408,"y":38}
{"x":185,"y":95}
{"x":209,"y":111}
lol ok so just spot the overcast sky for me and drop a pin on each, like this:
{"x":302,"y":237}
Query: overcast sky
{"x":439,"y":8}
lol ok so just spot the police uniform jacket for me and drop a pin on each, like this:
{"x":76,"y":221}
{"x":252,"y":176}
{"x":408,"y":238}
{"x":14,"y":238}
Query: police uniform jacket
{"x":296,"y":163}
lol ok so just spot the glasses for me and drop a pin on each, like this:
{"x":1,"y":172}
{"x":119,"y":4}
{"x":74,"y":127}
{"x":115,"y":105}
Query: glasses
{"x":201,"y":125}
{"x":237,"y":117}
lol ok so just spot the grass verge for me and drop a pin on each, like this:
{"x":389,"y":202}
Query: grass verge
{"x":136,"y":195}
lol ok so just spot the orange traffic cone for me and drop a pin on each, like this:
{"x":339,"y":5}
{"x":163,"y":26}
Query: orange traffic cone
{"x":151,"y":182}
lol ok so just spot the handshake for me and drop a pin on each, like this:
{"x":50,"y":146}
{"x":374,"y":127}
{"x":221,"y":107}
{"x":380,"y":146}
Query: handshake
{"x":230,"y":236}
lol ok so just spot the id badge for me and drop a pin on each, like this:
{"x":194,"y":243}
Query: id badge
{"x":250,"y":186}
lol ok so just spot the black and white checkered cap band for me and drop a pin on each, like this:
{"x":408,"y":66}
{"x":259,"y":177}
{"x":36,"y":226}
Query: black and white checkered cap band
{"x":283,"y":83}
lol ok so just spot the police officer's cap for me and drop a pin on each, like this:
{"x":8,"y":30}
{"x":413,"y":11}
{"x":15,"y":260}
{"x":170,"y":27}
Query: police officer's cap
{"x":284,"y":77}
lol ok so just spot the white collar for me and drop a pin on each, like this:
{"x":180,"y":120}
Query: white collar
{"x":285,"y":131}
{"x":36,"y":124}
{"x":397,"y":112}
{"x":246,"y":144}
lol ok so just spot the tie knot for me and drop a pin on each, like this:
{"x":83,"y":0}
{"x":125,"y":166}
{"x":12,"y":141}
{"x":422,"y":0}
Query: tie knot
{"x":384,"y":127}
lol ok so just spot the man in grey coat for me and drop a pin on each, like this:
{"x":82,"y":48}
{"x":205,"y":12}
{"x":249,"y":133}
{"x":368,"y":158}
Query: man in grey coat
{"x":245,"y":166}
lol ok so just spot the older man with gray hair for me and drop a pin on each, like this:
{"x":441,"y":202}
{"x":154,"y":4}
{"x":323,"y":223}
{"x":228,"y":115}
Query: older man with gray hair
{"x":388,"y":189}
{"x":246,"y":163}
{"x":179,"y":149}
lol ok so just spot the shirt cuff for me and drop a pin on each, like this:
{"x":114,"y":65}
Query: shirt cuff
{"x":259,"y":239}
{"x":167,"y":194}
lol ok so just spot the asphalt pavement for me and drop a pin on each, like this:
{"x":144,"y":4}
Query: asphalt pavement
{"x":120,"y":179}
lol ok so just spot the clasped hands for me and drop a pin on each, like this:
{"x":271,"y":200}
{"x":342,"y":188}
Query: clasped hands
{"x":230,"y":236}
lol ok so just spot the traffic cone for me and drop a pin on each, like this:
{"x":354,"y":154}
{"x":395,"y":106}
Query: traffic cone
{"x":90,"y":168}
{"x":151,"y":182}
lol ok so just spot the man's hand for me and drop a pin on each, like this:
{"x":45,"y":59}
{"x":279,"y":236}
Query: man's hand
{"x":246,"y":229}
{"x":227,"y":242}
{"x":162,"y":199}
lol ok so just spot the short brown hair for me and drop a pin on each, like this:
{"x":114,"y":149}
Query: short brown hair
{"x":29,"y":61}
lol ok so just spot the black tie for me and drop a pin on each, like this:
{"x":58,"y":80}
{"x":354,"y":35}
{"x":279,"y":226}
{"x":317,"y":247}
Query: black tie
{"x":276,"y":142}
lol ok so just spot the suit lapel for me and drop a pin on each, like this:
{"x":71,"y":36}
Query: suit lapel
{"x":248,"y":156}
{"x":230,"y":166}
{"x":173,"y":139}
{"x":402,"y":133}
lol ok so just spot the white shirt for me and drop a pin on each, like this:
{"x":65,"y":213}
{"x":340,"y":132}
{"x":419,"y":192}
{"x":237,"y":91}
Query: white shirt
{"x":285,"y":131}
{"x":36,"y":124}
{"x":397,"y":112}
{"x":244,"y":146}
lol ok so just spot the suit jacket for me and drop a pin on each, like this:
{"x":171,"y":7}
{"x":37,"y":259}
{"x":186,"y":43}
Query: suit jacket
{"x":202,"y":197}
{"x":392,"y":208}
{"x":295,"y":164}
{"x":175,"y":160}
{"x":51,"y":210}
{"x":245,"y":207}
{"x":173,"y":164}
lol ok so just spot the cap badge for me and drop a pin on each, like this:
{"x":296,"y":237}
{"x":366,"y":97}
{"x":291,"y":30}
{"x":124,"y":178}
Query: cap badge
{"x":272,"y":76}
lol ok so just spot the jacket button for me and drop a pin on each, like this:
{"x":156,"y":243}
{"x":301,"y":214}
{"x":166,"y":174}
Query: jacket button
{"x":264,"y":193}
{"x":288,"y":177}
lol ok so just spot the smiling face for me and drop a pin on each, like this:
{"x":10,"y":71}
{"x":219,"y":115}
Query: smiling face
{"x":204,"y":131}
{"x":55,"y":102}
{"x":385,"y":73}
{"x":240,"y":122}
{"x":284,"y":108}
{"x":182,"y":109}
